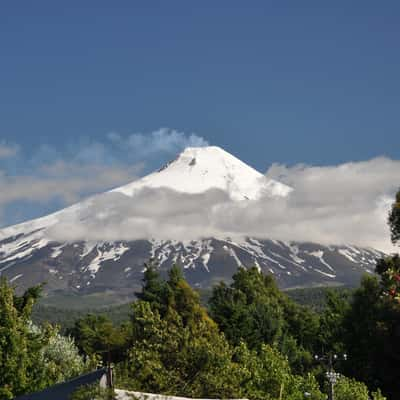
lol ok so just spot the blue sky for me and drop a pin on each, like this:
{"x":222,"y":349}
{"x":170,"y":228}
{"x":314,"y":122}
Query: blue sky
{"x":290,"y":82}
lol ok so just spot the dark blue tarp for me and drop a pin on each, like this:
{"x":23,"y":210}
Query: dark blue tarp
{"x":63,"y":391}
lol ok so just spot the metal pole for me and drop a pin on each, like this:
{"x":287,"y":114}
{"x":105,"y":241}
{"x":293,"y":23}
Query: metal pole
{"x":330,"y":374}
{"x":331,"y":393}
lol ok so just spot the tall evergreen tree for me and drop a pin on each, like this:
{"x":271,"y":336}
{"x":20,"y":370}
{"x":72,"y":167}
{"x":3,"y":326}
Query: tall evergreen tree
{"x":154,"y":288}
{"x":252,"y":309}
{"x":249,"y":309}
{"x":332,"y":323}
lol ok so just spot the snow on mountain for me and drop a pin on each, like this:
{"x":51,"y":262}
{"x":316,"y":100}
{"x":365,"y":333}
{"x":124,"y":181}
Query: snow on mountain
{"x":198,"y":169}
{"x":195,"y":170}
{"x":28,"y":255}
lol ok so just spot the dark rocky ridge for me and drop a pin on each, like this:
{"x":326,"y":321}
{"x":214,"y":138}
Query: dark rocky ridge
{"x":83,"y":268}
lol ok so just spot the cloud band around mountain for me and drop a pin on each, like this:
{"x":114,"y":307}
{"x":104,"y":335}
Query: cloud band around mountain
{"x":340,"y":204}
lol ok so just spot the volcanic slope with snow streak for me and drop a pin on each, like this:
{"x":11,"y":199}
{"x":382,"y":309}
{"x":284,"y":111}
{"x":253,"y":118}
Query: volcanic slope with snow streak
{"x":29,"y":254}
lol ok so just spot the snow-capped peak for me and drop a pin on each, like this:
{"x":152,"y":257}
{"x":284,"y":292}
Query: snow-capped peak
{"x":198,"y":169}
{"x":195,"y":170}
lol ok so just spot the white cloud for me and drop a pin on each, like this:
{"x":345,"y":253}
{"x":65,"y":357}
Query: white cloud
{"x":8,"y":150}
{"x":67,"y":182}
{"x":340,"y":204}
{"x":163,"y":140}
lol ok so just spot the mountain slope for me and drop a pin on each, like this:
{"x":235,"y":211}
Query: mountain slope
{"x":30,"y":253}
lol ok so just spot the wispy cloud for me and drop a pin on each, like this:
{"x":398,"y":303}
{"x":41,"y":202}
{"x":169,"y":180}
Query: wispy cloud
{"x":8,"y":150}
{"x":67,"y":182}
{"x":163,"y":140}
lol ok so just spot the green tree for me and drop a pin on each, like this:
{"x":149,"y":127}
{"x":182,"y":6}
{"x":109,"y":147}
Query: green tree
{"x":97,"y":337}
{"x":249,"y":309}
{"x":154,"y":289}
{"x":266,"y":375}
{"x":332,"y":328}
{"x":388,"y":269}
{"x":19,"y":345}
{"x":371,"y":337}
{"x":394,"y":219}
{"x":350,"y":389}
{"x":173,"y":355}
{"x":31,"y":358}
{"x":184,"y":301}
{"x":252,"y":309}
{"x":362,"y":338}
{"x":60,"y":360}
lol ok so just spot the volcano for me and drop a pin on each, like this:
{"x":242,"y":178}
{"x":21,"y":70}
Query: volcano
{"x":90,"y":248}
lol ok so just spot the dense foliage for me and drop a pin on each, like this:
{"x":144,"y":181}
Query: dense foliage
{"x":347,"y":388}
{"x":31,"y":358}
{"x":97,"y":337}
{"x":252,"y":309}
{"x":176,"y":348}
